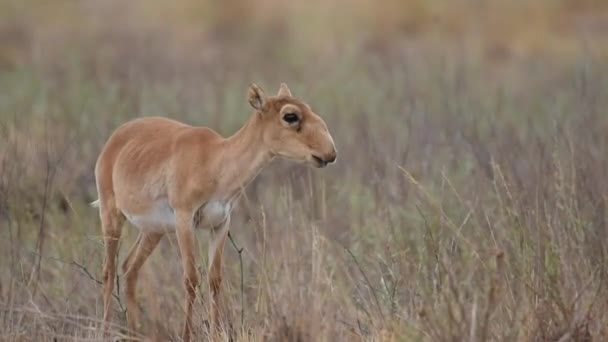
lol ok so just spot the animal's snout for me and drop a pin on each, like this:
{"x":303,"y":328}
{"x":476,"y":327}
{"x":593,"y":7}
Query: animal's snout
{"x":331,"y":157}
{"x":323,"y":160}
{"x":325,"y":151}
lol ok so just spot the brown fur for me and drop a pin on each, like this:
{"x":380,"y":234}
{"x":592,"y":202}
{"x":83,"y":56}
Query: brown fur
{"x":150,"y":160}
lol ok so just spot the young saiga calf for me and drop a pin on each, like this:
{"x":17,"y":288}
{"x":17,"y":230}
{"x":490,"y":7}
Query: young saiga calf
{"x":165,"y":176}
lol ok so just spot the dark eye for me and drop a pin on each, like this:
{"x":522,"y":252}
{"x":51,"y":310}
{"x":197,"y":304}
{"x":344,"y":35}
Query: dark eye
{"x":291,"y":118}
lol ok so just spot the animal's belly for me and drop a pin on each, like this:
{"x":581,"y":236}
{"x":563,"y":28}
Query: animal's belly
{"x":158,"y":217}
{"x":212,"y":215}
{"x":161,"y":217}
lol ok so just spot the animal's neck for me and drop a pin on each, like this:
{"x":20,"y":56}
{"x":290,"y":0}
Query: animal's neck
{"x":245,"y":155}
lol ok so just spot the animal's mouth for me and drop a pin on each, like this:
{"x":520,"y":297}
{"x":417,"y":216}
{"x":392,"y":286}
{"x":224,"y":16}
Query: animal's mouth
{"x":319,"y":162}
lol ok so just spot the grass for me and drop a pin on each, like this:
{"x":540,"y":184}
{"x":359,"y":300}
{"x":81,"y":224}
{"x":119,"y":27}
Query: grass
{"x":467,"y":204}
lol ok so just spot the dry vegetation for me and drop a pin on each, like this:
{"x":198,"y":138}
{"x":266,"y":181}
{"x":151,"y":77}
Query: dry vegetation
{"x":468,"y":202}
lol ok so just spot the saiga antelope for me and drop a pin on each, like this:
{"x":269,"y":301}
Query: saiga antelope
{"x":163,"y":175}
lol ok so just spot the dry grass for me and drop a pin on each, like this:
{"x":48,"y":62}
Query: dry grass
{"x":468,"y":202}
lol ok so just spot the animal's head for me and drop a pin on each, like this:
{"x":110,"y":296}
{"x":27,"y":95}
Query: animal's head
{"x":291,"y":129}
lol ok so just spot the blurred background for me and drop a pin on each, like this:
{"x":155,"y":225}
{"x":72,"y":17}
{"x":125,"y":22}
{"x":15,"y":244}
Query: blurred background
{"x":467,"y":203}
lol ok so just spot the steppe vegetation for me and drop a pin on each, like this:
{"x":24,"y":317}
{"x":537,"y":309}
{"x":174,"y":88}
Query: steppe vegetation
{"x":468,"y":202}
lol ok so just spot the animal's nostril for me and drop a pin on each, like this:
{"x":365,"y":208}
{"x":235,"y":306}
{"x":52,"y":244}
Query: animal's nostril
{"x":331,"y":158}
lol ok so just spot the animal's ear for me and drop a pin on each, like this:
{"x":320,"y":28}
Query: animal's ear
{"x":284,"y":90}
{"x":256,"y":97}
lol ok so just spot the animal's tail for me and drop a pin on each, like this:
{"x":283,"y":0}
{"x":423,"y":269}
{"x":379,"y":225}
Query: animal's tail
{"x":95,"y":204}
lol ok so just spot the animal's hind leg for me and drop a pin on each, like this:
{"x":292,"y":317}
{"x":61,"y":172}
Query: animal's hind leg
{"x":216,"y":251}
{"x":144,"y":246}
{"x":111,"y":224}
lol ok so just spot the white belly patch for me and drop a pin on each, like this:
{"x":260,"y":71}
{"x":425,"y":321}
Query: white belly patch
{"x":212,"y":214}
{"x":161,"y":217}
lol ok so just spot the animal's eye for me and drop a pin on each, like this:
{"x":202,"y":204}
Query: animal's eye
{"x":291,"y":118}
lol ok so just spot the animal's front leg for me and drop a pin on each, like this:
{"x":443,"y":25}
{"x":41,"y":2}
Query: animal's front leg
{"x":216,"y":251}
{"x":186,"y":242}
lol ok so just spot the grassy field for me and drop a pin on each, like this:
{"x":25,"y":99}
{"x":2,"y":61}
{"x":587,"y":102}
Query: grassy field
{"x":468,"y":202}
